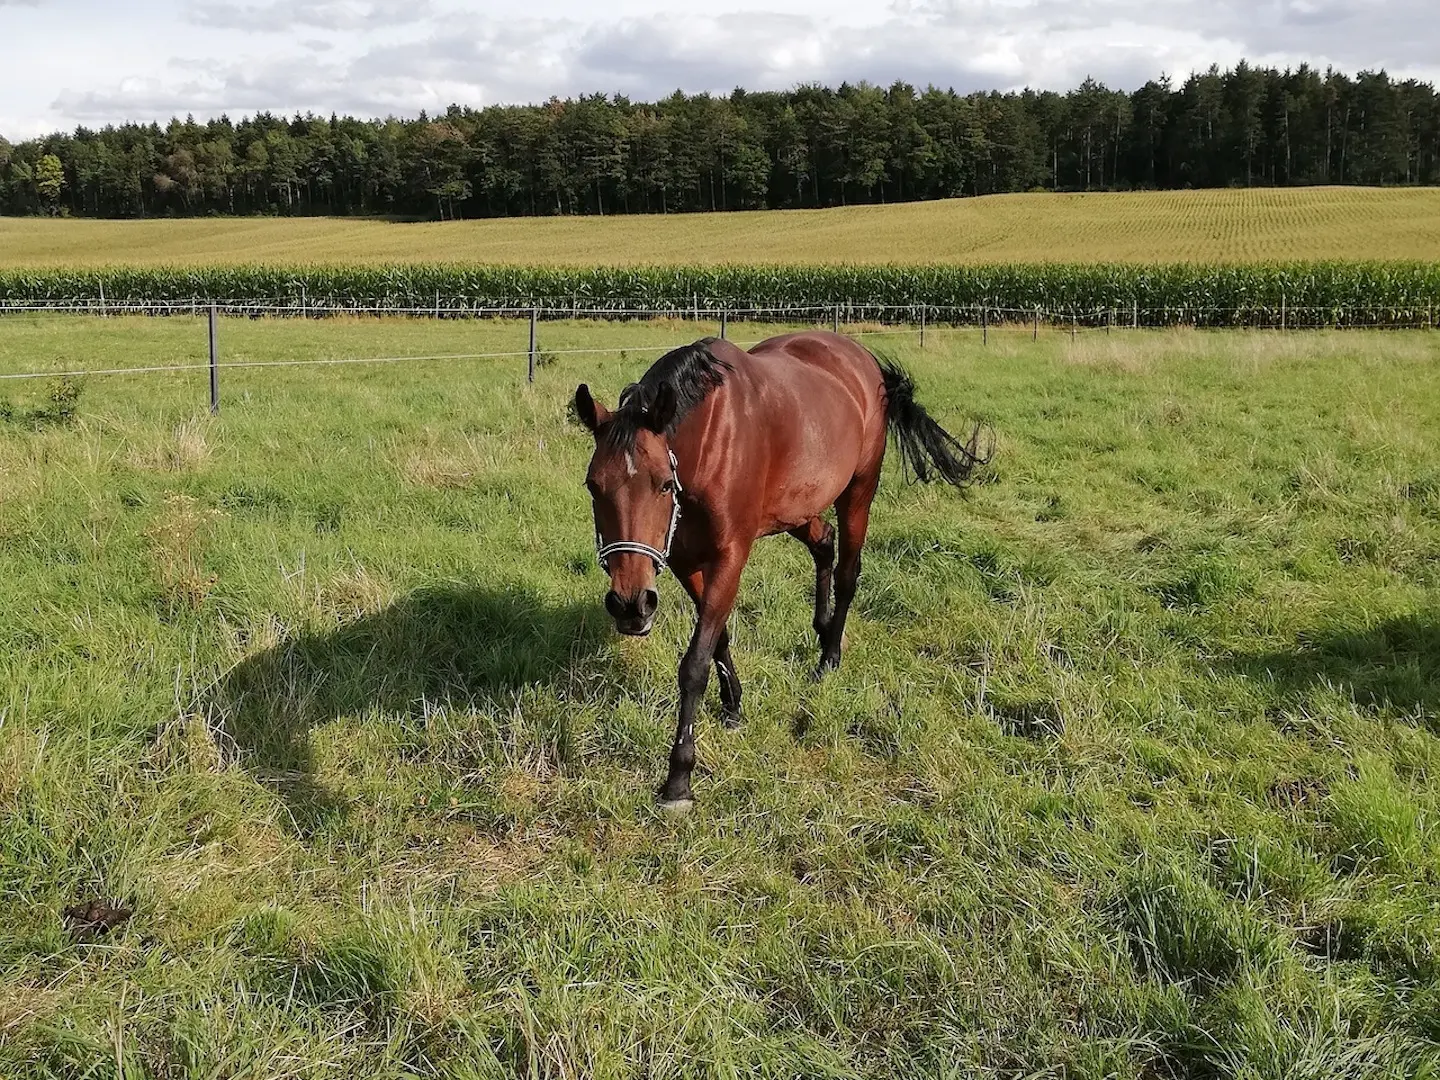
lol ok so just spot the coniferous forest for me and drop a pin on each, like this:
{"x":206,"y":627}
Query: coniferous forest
{"x":808,"y":147}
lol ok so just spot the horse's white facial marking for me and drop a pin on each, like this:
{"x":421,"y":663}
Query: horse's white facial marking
{"x":629,"y":463}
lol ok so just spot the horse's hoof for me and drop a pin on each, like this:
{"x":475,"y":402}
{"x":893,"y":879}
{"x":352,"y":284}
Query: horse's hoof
{"x":675,"y":798}
{"x":731,"y":718}
{"x":822,"y":669}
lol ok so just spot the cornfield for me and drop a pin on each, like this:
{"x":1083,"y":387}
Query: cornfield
{"x":1315,"y":294}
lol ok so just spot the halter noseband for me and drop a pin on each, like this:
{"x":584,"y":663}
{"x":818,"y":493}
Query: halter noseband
{"x":660,"y":558}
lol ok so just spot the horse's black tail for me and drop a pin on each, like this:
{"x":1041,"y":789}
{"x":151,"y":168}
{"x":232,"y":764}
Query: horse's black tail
{"x":927,"y":449}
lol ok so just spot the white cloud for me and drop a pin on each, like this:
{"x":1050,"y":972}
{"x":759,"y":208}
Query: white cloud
{"x":154,"y":58}
{"x":283,"y":15}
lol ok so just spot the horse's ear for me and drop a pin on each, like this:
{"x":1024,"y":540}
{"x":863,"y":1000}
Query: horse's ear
{"x":661,"y":413}
{"x":591,"y":413}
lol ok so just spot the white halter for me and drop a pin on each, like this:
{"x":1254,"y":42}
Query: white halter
{"x":660,"y":558}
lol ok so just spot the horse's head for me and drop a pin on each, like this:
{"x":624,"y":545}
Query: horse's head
{"x":634,"y":491}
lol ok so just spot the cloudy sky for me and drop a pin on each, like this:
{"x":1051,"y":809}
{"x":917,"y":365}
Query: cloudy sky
{"x":92,"y":62}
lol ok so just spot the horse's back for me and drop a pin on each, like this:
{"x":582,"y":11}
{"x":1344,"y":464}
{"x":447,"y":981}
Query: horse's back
{"x":806,"y":412}
{"x":811,"y":353}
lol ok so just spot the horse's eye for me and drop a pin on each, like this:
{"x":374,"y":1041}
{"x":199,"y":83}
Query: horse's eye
{"x":667,"y":488}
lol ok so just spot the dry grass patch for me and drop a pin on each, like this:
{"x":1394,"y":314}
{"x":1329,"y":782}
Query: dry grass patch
{"x":22,"y":1007}
{"x":177,"y":538}
{"x":439,"y":466}
{"x":1117,"y":354}
{"x":458,"y":855}
{"x":191,"y":743}
{"x":17,"y":760}
{"x":185,"y":449}
{"x":350,"y":595}
{"x":438,"y":470}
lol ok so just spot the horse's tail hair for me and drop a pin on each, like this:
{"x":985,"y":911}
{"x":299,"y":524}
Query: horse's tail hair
{"x":926,"y":449}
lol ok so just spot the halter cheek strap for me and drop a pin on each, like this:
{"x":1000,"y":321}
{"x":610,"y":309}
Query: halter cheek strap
{"x":659,"y":557}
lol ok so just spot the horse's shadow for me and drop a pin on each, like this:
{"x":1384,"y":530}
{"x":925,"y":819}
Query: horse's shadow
{"x":446,"y":647}
{"x":1392,"y":665}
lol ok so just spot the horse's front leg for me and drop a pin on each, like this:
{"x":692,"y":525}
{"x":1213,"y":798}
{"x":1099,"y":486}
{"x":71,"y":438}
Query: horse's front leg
{"x":730,"y":689}
{"x":714,"y":603}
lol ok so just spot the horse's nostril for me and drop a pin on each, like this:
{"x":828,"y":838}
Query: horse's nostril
{"x":614,"y":605}
{"x":649,"y":601}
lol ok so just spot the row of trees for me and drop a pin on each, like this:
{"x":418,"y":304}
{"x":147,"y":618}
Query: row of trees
{"x":811,"y":146}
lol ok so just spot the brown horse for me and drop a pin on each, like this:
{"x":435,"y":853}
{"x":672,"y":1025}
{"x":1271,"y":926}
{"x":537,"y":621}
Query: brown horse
{"x":715,"y":447}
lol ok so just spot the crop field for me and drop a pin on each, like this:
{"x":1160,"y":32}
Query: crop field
{"x":1216,"y":226}
{"x":1132,"y":768}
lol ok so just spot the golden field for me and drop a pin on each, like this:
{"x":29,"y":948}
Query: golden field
{"x":1220,"y":226}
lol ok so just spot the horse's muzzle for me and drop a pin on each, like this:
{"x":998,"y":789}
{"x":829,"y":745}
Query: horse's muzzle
{"x":633,"y":617}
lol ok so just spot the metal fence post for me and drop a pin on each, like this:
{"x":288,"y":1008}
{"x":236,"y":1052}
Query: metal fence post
{"x":922,"y":324}
{"x":835,"y":319}
{"x":1035,"y":335}
{"x":534,"y":328}
{"x":214,"y":365}
{"x":1074,"y":324}
{"x":1136,"y":323}
{"x":724,"y":322}
{"x":984,"y":326}
{"x":1282,"y":310}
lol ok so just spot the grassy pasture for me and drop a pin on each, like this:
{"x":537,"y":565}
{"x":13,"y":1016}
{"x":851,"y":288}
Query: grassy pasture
{"x":1221,"y":226}
{"x":1131,"y":769}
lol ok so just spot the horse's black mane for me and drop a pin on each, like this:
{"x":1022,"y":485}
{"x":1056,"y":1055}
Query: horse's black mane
{"x":690,"y":371}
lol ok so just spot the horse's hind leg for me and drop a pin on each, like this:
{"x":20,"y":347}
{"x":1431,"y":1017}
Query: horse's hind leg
{"x":853,"y":511}
{"x":819,"y":536}
{"x":730,"y":690}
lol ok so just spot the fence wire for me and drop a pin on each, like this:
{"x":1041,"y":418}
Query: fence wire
{"x":853,"y":318}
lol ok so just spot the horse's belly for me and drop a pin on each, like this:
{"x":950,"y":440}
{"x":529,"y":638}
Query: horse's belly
{"x":805,"y":495}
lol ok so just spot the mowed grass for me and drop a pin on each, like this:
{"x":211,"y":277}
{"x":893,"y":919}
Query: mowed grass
{"x":1131,"y":769}
{"x":1229,"y":226}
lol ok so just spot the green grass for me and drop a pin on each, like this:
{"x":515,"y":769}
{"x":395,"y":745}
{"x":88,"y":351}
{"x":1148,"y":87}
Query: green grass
{"x":1131,"y":768}
{"x":1224,"y":226}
